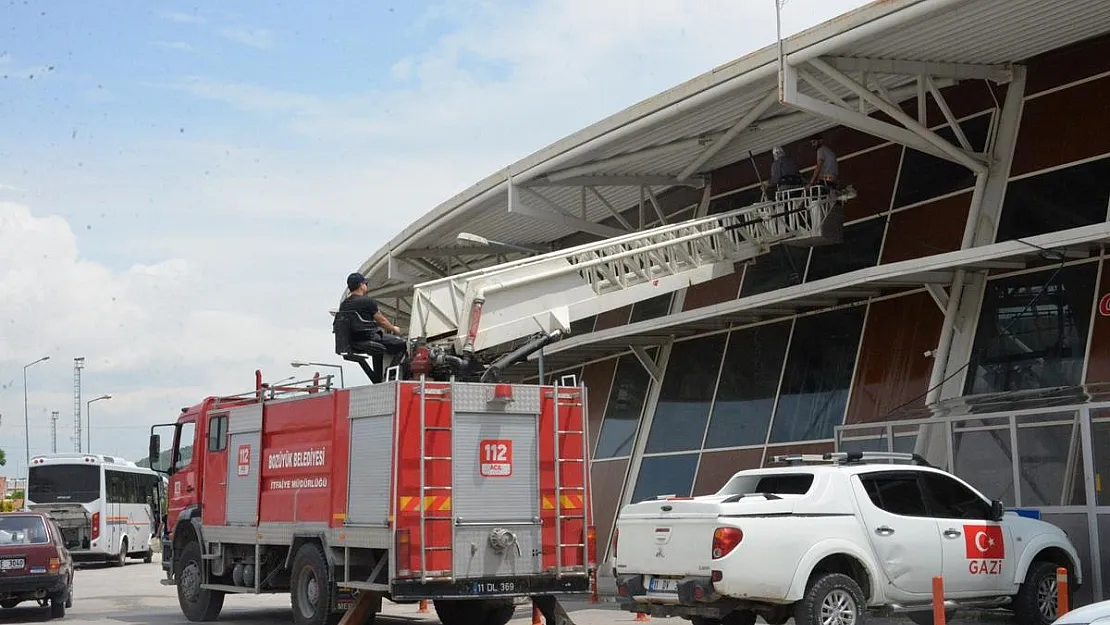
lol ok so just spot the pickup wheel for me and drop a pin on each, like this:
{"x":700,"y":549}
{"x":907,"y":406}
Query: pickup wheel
{"x":197,"y":604}
{"x":312,"y":591}
{"x":831,"y":599}
{"x":1035,"y":602}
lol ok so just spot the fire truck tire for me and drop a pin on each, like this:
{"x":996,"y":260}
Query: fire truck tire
{"x":461,"y":611}
{"x":500,"y":612}
{"x":312,"y":591}
{"x":197,"y":604}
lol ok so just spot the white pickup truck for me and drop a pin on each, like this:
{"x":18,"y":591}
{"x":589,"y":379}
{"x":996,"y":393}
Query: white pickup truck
{"x":828,"y":539}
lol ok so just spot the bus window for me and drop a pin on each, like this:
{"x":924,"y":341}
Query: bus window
{"x":71,"y":483}
{"x":184,"y":445}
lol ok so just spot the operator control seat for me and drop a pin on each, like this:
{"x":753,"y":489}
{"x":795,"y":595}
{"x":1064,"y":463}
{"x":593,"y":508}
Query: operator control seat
{"x":353,"y":340}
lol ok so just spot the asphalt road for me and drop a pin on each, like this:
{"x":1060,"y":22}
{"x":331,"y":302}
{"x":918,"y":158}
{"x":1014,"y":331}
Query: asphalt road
{"x":105,"y":595}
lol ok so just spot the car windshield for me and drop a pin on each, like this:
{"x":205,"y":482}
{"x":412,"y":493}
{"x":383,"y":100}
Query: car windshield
{"x":22,"y":530}
{"x":74,"y":483}
{"x":774,"y":484}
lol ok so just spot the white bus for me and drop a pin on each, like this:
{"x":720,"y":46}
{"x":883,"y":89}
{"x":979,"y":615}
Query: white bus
{"x":108,"y":508}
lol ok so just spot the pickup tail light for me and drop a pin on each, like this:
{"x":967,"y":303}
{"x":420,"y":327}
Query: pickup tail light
{"x":95,"y":525}
{"x":725,"y":539}
{"x":55,"y":564}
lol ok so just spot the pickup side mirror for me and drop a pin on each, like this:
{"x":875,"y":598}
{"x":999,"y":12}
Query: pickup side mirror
{"x":154,"y":453}
{"x":998,"y":510}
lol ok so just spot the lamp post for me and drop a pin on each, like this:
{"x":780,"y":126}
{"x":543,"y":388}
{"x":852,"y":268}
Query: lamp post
{"x":88,"y":420}
{"x":26,"y":417}
{"x":304,"y":363}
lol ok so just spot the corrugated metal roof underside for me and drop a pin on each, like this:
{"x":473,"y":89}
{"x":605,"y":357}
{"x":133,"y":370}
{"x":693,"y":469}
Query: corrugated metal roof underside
{"x":975,"y":31}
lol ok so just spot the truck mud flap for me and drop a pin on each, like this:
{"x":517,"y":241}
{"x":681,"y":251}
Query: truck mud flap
{"x":492,"y":587}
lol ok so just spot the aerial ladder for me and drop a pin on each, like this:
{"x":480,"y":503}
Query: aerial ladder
{"x":456,"y":317}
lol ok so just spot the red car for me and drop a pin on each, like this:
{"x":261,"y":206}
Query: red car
{"x":34,"y":562}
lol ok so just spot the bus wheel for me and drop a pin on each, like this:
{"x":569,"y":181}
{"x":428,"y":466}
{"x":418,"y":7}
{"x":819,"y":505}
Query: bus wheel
{"x":197,"y":604}
{"x":121,"y":559}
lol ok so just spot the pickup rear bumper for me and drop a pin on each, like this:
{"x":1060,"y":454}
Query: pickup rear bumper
{"x":696,"y":596}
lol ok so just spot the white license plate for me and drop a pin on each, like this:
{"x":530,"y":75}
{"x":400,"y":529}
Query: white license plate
{"x":656,"y":584}
{"x":9,"y":564}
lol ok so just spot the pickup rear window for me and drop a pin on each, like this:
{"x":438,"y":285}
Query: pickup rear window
{"x":778,"y":484}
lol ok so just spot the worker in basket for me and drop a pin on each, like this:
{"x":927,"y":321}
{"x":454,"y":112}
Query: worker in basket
{"x":784,"y":174}
{"x":366,"y":326}
{"x":826,"y":173}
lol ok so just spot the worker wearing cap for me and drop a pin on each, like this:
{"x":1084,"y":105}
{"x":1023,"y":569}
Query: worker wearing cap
{"x":370,"y":324}
{"x":826,"y":171}
{"x":784,"y":172}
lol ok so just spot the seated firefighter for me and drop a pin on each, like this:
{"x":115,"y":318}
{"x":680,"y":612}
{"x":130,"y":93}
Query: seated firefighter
{"x":359,"y":329}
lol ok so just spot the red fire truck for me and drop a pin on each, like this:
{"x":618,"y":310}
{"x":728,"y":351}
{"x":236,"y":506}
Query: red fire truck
{"x":443,"y":482}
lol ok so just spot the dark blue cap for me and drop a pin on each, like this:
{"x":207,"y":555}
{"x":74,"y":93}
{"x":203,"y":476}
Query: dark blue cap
{"x":354,"y":280}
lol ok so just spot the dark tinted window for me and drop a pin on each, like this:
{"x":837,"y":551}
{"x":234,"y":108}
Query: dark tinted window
{"x":665,"y":475}
{"x":683,"y":407}
{"x":896,"y":493}
{"x":1061,"y":199}
{"x":818,"y":371}
{"x":622,"y":412}
{"x":64,"y":483}
{"x":1031,"y":335}
{"x":749,"y":383}
{"x":783,"y":484}
{"x":217,"y":433}
{"x":859,"y":250}
{"x":781,"y":267}
{"x":651,"y":308}
{"x":583,"y":326}
{"x":951,"y":500}
{"x":923,"y":176}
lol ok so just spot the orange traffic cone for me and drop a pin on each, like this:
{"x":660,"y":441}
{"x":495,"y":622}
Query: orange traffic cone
{"x":642,"y":617}
{"x":537,"y":616}
{"x":423,"y":609}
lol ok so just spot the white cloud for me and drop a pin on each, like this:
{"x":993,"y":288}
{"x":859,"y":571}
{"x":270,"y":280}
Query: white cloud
{"x":254,"y":37}
{"x":182,"y":18}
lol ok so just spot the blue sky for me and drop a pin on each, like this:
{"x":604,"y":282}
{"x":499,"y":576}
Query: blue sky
{"x":184,"y":186}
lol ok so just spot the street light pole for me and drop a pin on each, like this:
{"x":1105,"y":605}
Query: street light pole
{"x":88,"y":420}
{"x":303,"y":363}
{"x":26,"y":417}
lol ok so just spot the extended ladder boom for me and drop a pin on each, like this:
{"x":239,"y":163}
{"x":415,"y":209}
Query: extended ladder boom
{"x":545,"y":293}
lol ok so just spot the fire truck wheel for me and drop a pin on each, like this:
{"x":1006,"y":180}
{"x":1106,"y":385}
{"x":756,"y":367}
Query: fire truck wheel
{"x":500,"y":612}
{"x":461,"y":611}
{"x":197,"y":604}
{"x":313,"y":593}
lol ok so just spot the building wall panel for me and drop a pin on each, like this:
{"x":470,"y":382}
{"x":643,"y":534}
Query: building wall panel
{"x":715,"y":291}
{"x":606,"y":479}
{"x":893,"y":368}
{"x":1067,"y":64}
{"x":598,"y":378}
{"x":717,"y":466}
{"x":926,"y":230}
{"x":613,"y":318}
{"x":1051,"y":134}
{"x":873,"y":175}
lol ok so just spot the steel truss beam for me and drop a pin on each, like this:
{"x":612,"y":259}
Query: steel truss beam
{"x":560,"y":216}
{"x":956,"y":71}
{"x":616,"y":181}
{"x":912,"y":132}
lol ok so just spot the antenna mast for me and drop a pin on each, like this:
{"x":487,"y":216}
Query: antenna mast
{"x":78,"y":365}
{"x":54,"y":432}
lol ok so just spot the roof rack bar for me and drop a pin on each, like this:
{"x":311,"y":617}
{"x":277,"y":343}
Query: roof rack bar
{"x":849,"y":457}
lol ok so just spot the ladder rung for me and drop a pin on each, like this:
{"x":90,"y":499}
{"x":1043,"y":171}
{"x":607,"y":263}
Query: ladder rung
{"x":426,"y":487}
{"x":437,"y":428}
{"x":571,"y":460}
{"x":570,"y":432}
{"x":426,"y":458}
{"x":572,"y":488}
{"x":437,"y":548}
{"x":572,"y":545}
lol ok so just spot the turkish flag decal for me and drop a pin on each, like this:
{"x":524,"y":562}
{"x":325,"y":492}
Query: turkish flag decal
{"x":984,"y":542}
